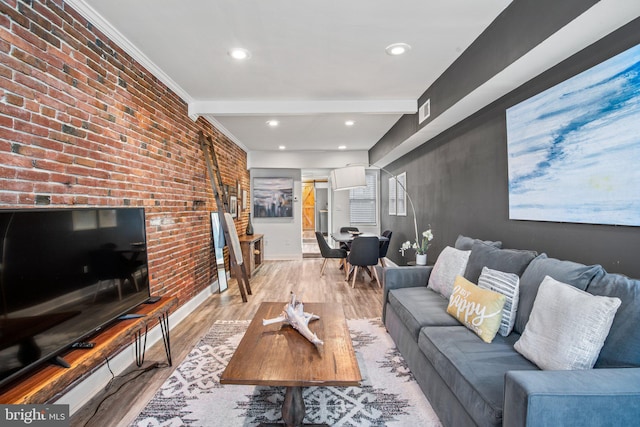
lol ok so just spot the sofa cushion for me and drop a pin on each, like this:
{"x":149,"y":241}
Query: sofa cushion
{"x":473,"y":370}
{"x":622,"y":346}
{"x":465,"y":243}
{"x":450,"y":263}
{"x":478,"y":309}
{"x":419,"y":306}
{"x":567,"y":327}
{"x":572,"y":273}
{"x":508,"y":260}
{"x":508,"y":284}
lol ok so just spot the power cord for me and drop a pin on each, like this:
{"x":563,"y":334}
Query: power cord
{"x":113,"y":376}
{"x":139,"y":372}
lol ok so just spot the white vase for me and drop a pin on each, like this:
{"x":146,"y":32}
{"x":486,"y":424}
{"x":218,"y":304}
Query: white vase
{"x":421,"y":259}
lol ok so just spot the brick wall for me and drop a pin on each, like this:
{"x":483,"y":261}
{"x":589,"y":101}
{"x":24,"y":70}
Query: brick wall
{"x":83,"y":124}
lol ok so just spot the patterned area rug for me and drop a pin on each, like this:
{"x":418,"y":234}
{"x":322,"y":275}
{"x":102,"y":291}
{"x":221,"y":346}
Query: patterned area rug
{"x":193,"y":395}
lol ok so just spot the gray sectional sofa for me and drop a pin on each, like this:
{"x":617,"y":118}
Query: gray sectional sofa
{"x":470,"y":382}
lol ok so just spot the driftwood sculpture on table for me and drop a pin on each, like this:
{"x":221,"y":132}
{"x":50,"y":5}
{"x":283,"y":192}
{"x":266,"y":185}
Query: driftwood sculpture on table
{"x":295,"y":316}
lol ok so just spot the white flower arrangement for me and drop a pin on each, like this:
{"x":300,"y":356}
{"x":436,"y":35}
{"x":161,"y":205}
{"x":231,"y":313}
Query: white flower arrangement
{"x":420,"y":247}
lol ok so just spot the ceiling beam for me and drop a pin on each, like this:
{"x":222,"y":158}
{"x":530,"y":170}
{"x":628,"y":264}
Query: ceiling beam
{"x":257,"y":108}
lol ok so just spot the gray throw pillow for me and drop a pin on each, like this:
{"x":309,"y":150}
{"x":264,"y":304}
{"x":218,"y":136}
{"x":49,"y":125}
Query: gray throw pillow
{"x":507,"y":260}
{"x":567,"y":327}
{"x":465,"y":243}
{"x":622,"y":347}
{"x":572,"y":273}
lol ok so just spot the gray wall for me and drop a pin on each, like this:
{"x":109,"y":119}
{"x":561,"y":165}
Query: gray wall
{"x":458,"y":181}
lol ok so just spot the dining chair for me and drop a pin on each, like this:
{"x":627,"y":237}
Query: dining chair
{"x":347,"y":246}
{"x":328,"y":252}
{"x":364,"y":253}
{"x":384,"y":246}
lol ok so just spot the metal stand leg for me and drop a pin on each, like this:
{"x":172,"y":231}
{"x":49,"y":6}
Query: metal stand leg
{"x":163,"y":319}
{"x":140,"y":345}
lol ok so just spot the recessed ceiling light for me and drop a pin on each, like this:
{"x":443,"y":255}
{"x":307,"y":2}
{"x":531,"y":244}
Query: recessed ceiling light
{"x":281,"y":147}
{"x":239,"y":53}
{"x":273,"y":123}
{"x":342,"y":147}
{"x":349,"y":123}
{"x":397,"y":49}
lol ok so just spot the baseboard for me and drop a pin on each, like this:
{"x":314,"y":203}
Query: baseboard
{"x":84,"y":391}
{"x":308,"y":255}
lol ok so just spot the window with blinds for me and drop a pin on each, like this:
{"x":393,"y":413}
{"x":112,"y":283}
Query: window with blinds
{"x":362,"y":202}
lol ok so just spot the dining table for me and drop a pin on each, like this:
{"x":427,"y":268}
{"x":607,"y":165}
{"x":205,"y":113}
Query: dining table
{"x":347,"y":237}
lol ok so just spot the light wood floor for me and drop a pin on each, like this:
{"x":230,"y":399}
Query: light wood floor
{"x":128,"y":394}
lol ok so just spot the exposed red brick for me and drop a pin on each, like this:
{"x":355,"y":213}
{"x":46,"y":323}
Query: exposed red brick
{"x":13,"y":99}
{"x":29,"y":59}
{"x":32,"y":175}
{"x":8,"y":198}
{"x":5,"y":71}
{"x":14,"y":15}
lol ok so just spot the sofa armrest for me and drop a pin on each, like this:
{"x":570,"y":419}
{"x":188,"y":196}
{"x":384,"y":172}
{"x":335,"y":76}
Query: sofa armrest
{"x":402,"y":277}
{"x":572,"y":398}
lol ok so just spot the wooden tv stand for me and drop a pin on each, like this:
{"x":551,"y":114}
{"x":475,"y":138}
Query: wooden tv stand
{"x":252,"y":252}
{"x":48,"y":382}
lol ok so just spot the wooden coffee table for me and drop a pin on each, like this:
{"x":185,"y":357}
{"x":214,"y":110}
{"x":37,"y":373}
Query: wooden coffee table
{"x":277,"y":355}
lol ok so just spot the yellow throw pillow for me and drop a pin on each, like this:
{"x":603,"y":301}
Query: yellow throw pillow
{"x":478,"y":309}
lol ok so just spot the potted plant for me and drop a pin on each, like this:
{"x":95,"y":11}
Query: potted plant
{"x":420,"y":247}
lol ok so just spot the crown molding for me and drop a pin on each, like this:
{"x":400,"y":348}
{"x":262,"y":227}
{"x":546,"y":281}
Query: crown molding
{"x":215,"y":123}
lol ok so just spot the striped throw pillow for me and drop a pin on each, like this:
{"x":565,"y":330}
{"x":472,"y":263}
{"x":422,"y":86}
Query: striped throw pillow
{"x":508,"y":284}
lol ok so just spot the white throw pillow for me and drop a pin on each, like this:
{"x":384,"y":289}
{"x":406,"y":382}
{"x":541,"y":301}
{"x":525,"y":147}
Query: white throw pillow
{"x":450,"y":263}
{"x":567,"y":327}
{"x":507,"y":284}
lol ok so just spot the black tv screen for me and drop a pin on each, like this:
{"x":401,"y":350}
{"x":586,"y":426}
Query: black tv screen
{"x":64,"y":274}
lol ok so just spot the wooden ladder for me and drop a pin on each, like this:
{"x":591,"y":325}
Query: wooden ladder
{"x":222,"y":200}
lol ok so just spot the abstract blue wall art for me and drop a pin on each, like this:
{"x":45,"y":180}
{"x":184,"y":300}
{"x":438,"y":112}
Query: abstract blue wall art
{"x":574,"y":149}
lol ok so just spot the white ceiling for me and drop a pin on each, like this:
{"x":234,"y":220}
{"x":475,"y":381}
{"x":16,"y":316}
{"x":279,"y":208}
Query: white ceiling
{"x":313,"y":64}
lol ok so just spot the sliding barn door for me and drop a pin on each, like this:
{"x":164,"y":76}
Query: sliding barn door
{"x":308,"y":206}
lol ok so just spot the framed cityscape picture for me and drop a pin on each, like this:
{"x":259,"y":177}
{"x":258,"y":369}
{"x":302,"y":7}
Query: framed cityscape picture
{"x":272,"y":197}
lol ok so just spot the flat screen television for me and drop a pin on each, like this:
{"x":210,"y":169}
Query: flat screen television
{"x":65,"y":274}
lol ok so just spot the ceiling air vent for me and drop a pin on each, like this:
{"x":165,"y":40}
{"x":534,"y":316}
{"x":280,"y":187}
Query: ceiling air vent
{"x":424,"y":111}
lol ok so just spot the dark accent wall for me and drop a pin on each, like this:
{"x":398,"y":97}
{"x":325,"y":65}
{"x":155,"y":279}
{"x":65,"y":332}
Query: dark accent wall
{"x":459,"y":182}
